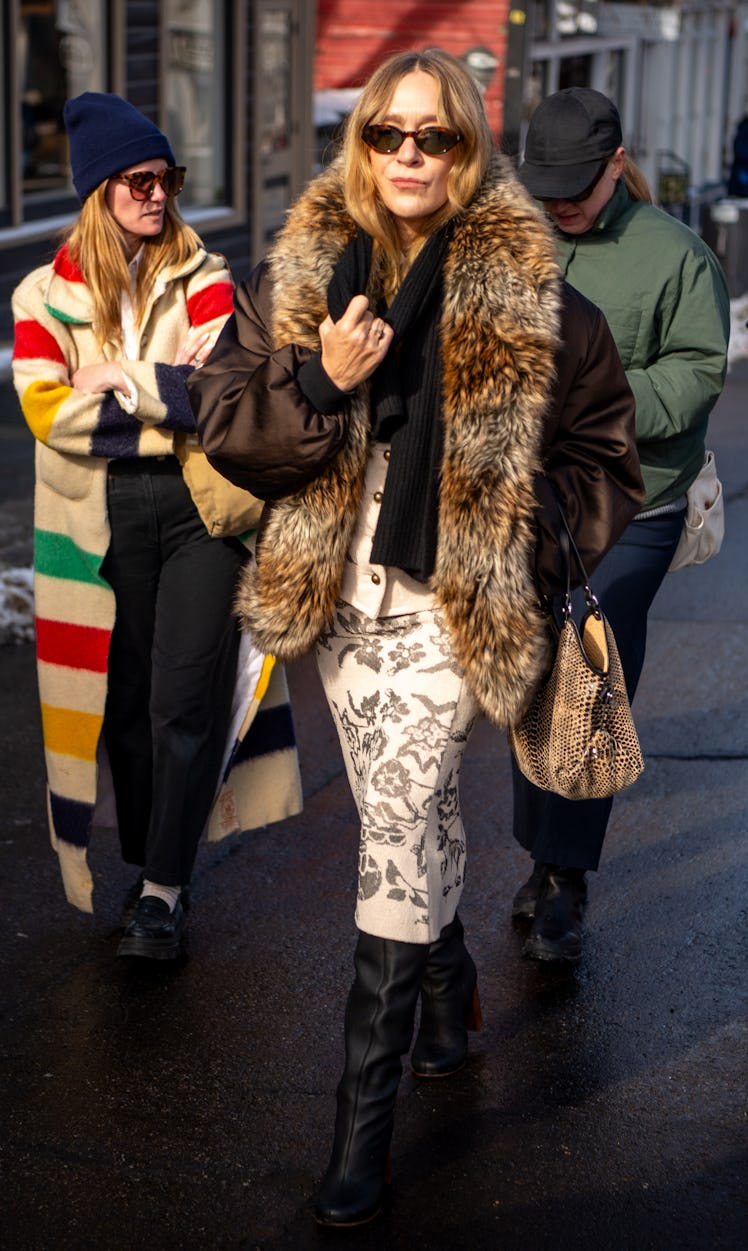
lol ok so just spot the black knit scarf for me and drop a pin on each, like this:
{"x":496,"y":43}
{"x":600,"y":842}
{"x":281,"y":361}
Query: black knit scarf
{"x":405,"y":400}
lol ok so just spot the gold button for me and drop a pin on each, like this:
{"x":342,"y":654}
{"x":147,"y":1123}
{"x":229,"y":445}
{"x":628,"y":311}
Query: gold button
{"x":387,"y":454}
{"x":378,"y":496}
{"x":375,"y":579}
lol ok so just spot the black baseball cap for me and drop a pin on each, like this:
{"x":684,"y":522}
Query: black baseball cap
{"x":571,"y":133}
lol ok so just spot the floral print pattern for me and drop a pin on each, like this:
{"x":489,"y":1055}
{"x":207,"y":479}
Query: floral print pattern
{"x":403,"y":715}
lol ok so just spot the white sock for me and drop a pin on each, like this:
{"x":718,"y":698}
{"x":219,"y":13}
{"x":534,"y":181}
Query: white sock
{"x":170,"y":894}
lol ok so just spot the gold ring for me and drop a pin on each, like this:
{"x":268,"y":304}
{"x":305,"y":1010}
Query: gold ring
{"x":380,"y":332}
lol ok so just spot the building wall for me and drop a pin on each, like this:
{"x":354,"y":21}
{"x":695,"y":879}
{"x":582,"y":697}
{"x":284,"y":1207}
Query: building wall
{"x":354,"y":36}
{"x":690,"y":75}
{"x":134,"y":69}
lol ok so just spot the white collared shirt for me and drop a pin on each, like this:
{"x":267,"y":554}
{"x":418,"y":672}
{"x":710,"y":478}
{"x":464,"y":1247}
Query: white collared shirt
{"x":378,"y":590}
{"x":130,"y":336}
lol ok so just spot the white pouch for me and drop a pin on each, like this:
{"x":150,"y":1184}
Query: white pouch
{"x":704,"y":525}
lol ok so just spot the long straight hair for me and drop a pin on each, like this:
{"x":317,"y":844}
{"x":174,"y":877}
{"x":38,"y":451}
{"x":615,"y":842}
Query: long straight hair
{"x":95,"y":243}
{"x":460,"y":108}
{"x":636,"y":182}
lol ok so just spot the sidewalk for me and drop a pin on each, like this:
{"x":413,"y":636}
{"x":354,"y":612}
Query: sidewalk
{"x":602,"y":1109}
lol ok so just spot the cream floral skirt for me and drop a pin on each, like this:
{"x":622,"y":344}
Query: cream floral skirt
{"x":404,"y":715}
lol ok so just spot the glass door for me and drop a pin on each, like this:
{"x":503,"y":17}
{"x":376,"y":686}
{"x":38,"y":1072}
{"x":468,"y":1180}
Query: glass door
{"x":282,"y":88}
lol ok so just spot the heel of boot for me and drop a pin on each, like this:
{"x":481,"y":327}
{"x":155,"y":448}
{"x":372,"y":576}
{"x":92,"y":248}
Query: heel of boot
{"x":442,"y":1055}
{"x":474,"y":1019}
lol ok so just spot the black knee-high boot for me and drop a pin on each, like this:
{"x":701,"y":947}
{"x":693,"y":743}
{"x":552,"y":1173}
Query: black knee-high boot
{"x":378,"y":1031}
{"x":449,"y":1005}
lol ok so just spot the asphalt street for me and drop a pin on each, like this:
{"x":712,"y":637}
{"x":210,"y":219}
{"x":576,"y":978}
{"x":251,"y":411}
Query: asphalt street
{"x":602,"y":1109}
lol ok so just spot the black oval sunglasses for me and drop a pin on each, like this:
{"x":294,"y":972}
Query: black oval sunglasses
{"x":431,"y":140}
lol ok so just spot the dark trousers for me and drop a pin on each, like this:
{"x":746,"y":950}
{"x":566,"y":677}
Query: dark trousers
{"x":172,"y":666}
{"x":571,"y":832}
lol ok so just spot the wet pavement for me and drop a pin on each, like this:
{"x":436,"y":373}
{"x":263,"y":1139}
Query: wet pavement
{"x":602,"y":1109}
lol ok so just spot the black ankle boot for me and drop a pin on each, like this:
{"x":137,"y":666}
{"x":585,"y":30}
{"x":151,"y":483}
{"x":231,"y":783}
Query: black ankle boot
{"x":556,"y":932}
{"x":449,"y":1006}
{"x":378,"y":1031}
{"x":526,"y":900}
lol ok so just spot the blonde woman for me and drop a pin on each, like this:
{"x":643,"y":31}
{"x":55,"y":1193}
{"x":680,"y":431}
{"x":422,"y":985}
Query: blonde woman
{"x":137,"y":644}
{"x":387,"y":385}
{"x":665,"y":299}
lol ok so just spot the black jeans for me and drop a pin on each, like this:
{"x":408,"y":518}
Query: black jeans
{"x":571,"y":832}
{"x":172,"y":666}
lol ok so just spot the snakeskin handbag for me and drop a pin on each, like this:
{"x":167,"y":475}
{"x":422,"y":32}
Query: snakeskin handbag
{"x":577,"y":736}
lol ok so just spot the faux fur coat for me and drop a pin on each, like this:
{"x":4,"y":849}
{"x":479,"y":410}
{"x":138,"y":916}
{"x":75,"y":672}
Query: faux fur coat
{"x":528,"y":408}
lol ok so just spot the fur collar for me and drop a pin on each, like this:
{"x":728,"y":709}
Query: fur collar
{"x":499,"y":333}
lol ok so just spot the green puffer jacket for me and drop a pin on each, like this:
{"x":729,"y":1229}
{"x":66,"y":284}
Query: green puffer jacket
{"x":665,"y":298}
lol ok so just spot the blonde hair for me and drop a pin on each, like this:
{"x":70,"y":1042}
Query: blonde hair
{"x":636,"y":182}
{"x":460,"y":108}
{"x":95,"y":245}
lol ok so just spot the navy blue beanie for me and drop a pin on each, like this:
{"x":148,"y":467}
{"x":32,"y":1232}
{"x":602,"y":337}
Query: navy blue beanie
{"x":106,"y":136}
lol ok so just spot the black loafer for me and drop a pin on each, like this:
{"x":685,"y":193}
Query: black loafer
{"x":526,"y":899}
{"x":132,"y":899}
{"x":130,"y":902}
{"x":556,"y":932}
{"x":154,"y":933}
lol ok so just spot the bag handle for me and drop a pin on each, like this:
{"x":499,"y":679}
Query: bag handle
{"x":567,"y":545}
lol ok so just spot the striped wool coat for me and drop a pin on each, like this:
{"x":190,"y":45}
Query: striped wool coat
{"x":77,"y":434}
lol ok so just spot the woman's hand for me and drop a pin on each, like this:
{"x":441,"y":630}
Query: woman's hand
{"x":354,"y":346}
{"x":194,"y":349}
{"x":103,"y":376}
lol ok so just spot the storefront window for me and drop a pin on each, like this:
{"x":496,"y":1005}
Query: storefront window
{"x":541,"y":15}
{"x":613,"y":69}
{"x":274,"y":88}
{"x":575,"y":71}
{"x":537,"y":86}
{"x":576,"y":17}
{"x":197,"y":90}
{"x":273,"y":118}
{"x":60,"y":52}
{"x":3,"y":133}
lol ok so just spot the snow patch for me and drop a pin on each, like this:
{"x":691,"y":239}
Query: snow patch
{"x":738,"y":349}
{"x":16,"y":606}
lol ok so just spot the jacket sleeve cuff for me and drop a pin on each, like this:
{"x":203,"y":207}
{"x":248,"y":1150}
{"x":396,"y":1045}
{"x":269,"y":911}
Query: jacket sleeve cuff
{"x":318,"y":388}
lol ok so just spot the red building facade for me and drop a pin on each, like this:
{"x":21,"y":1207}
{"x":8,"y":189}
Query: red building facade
{"x":354,"y":36}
